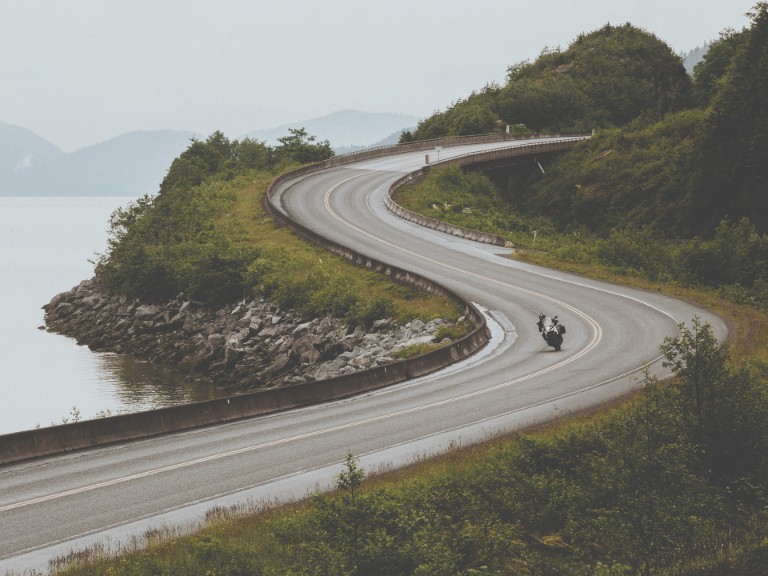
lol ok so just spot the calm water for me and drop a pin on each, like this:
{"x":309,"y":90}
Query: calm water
{"x":45,"y":245}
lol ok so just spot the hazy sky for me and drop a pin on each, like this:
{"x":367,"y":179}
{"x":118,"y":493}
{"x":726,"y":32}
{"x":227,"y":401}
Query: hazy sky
{"x":81,"y":71}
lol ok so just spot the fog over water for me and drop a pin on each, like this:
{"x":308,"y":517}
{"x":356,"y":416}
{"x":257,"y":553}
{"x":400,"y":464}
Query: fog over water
{"x":45,"y":245}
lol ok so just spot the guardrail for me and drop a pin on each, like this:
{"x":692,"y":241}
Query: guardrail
{"x":464,"y":160}
{"x":421,"y":145}
{"x":65,"y":438}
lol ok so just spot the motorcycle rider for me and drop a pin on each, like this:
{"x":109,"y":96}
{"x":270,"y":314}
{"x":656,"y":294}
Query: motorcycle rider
{"x":540,"y":323}
{"x":551,"y":330}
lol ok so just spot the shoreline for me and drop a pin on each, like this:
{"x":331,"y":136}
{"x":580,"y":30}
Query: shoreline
{"x":242,"y":347}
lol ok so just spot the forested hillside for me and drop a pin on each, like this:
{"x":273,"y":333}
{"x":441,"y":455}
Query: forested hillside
{"x":604,"y":79}
{"x":673,"y":186}
{"x":683,"y":174}
{"x":672,"y":152}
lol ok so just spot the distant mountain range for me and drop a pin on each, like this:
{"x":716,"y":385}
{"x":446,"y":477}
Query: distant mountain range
{"x":135,"y":163}
{"x":345,"y":129}
{"x":132,"y":164}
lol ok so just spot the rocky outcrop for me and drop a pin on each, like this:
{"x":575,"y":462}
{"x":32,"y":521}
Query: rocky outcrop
{"x":245,"y":346}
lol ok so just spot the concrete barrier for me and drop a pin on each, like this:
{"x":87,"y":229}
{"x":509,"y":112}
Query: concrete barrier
{"x":113,"y":429}
{"x":102,"y":431}
{"x":466,"y":160}
{"x":90,"y":433}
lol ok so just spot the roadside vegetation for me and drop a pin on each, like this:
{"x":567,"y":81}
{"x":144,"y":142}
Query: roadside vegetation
{"x":676,"y":198}
{"x":603,"y":79}
{"x":669,"y":196}
{"x":205,"y":235}
{"x":671,"y":481}
{"x":731,"y":262}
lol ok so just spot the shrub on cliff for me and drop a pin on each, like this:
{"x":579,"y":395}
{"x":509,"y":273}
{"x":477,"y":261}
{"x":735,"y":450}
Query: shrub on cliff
{"x":188,"y":238}
{"x":205,"y":235}
{"x":178,"y":241}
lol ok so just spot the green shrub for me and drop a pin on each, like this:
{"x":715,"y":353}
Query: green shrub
{"x":205,"y":236}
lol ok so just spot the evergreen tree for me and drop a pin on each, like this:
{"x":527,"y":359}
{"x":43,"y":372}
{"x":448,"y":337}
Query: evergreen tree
{"x":734,"y":158}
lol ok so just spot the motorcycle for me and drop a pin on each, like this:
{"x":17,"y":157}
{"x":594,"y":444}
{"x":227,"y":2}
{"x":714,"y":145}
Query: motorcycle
{"x":552,"y":331}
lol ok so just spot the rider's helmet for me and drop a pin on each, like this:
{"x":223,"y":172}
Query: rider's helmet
{"x":541,"y":315}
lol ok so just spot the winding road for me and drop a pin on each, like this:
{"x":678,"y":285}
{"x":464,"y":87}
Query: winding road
{"x":53,"y":505}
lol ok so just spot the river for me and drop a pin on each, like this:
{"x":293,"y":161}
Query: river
{"x":45,"y":248}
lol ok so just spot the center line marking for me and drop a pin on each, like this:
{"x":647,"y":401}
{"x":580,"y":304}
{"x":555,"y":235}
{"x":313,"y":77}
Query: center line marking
{"x":596,"y":338}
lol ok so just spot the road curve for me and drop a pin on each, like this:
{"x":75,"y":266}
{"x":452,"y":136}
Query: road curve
{"x":52,"y":505}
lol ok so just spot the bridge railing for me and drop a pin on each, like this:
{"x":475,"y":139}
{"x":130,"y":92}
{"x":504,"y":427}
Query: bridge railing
{"x":560,"y":145}
{"x":423,"y":145}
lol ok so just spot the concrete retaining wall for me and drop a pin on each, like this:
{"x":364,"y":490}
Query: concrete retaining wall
{"x":465,"y":160}
{"x":102,"y":431}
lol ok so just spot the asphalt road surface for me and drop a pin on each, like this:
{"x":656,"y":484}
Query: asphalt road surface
{"x":109,"y":495}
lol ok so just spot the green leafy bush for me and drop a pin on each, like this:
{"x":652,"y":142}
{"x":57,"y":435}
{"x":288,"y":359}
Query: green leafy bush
{"x":187,"y":239}
{"x":205,"y":235}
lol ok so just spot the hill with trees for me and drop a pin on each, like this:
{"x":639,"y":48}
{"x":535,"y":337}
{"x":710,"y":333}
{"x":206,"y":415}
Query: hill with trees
{"x":190,"y":237}
{"x":676,"y":190}
{"x":693,"y":57}
{"x":682,"y":174}
{"x":672,"y":152}
{"x":603,"y":79}
{"x":205,"y":234}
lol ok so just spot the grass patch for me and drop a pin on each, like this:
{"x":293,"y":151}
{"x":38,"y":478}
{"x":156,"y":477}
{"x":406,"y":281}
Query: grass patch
{"x":470,"y":201}
{"x":214,"y":243}
{"x":311,"y":279}
{"x":415,"y":350}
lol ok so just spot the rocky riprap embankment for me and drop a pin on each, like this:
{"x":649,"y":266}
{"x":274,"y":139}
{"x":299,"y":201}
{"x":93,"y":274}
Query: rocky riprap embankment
{"x":245,"y":346}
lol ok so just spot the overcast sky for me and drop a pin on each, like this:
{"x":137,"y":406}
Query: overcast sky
{"x":78,"y":72}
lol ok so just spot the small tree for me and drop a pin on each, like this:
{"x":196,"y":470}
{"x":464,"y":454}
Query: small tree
{"x":300,"y":147}
{"x":349,"y":481}
{"x":726,"y":408}
{"x":700,"y":363}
